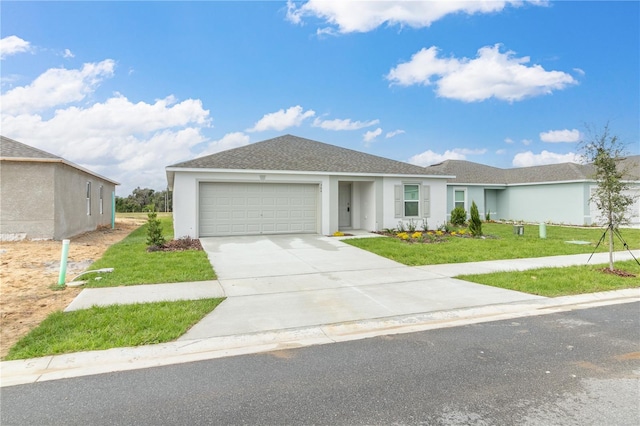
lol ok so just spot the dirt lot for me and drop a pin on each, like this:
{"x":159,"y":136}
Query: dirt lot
{"x":28,"y":270}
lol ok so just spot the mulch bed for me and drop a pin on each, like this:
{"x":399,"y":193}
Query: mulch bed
{"x":618,"y":272}
{"x":181,"y":244}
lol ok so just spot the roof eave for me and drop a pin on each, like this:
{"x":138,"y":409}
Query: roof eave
{"x":171,"y":171}
{"x":58,"y":160}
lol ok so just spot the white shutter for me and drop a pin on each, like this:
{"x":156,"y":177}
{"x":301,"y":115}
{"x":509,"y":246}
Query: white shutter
{"x":426,"y":201}
{"x":398,"y":200}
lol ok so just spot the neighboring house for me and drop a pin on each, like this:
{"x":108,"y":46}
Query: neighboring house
{"x":43,"y":196}
{"x":555,"y":193}
{"x":294,"y":185}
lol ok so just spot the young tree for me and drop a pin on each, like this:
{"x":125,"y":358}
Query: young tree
{"x":475,"y":225}
{"x":154,"y":230}
{"x":605,"y":151}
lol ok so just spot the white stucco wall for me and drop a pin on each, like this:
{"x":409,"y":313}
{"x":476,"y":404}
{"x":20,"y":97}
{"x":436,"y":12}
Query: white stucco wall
{"x":186,"y":186}
{"x":372,"y":198}
{"x":438,"y":202}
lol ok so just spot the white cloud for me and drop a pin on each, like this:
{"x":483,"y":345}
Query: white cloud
{"x":508,"y":140}
{"x":228,"y":141}
{"x":526,"y":159}
{"x":501,"y":151}
{"x":491,"y":74}
{"x":369,"y":136}
{"x":556,"y":136}
{"x":12,"y":45}
{"x":394,"y":133}
{"x":130,"y":142}
{"x":68,"y":54}
{"x":346,"y":124}
{"x":430,"y":157}
{"x":57,"y":86}
{"x":282,"y":119}
{"x":362,"y":16}
{"x":526,"y":142}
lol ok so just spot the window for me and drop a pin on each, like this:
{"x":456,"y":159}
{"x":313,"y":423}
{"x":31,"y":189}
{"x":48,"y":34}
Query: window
{"x":101,"y":199}
{"x":459,"y":196}
{"x":407,"y":199}
{"x":88,"y":198}
{"x":411,"y":200}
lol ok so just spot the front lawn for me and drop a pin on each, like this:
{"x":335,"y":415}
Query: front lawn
{"x":501,"y":243}
{"x":134,"y":265}
{"x":126,"y":325}
{"x":114,"y":326}
{"x":553,"y":282}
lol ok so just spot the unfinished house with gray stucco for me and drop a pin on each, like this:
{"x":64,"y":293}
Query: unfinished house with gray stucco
{"x":43,"y":196}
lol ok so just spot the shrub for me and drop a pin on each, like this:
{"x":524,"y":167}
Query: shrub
{"x":458,"y":216}
{"x":412,"y":226}
{"x":475,"y":225}
{"x":154,"y":231}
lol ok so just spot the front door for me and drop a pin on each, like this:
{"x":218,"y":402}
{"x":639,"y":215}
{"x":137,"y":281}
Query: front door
{"x":344,"y":205}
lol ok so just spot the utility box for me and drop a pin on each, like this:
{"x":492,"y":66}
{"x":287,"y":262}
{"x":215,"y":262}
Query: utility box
{"x":518,"y":229}
{"x":543,"y":230}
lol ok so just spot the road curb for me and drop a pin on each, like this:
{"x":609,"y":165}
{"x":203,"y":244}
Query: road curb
{"x":124,"y":359}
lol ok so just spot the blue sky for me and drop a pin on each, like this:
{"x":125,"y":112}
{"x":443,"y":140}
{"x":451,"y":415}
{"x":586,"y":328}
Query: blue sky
{"x":127,"y":88}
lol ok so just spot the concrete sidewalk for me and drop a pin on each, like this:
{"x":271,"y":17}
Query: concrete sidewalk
{"x":125,"y":359}
{"x":310,"y":282}
{"x":300,"y":291}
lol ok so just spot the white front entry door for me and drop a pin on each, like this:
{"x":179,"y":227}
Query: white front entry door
{"x":344,"y":205}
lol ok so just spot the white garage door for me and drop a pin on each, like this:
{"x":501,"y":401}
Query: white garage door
{"x":257,"y":208}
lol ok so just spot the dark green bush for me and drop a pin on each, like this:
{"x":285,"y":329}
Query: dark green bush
{"x":458,"y":216}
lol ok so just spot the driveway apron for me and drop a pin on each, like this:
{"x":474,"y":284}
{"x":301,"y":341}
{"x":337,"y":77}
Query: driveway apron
{"x":289,"y":281}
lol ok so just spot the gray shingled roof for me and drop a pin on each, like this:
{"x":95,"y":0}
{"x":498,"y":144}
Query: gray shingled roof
{"x":10,"y":148}
{"x":467,"y":172}
{"x":293,"y":153}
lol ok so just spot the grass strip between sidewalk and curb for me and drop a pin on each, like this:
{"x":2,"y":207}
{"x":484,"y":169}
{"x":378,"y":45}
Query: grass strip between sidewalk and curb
{"x":567,"y":281}
{"x":113,"y":326}
{"x":134,"y":265}
{"x":501,"y":243}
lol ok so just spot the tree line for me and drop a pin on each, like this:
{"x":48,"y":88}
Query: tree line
{"x":144,"y":200}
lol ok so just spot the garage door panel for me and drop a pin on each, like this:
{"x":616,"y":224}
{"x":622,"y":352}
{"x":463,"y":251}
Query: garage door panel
{"x":253,"y":214}
{"x":253,"y":208}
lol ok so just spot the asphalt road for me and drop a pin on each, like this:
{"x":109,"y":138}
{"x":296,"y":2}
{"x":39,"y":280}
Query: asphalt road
{"x":575,"y":368}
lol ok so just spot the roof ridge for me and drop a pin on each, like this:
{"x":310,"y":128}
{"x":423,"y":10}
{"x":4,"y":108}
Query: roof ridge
{"x":295,"y":153}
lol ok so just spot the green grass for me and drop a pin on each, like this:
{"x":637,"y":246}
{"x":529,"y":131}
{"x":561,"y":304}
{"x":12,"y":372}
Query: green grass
{"x":553,"y":282}
{"x":506,"y":245}
{"x":110,"y":327}
{"x":134,"y":265}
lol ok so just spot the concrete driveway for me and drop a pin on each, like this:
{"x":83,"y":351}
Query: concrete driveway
{"x":290,"y":281}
